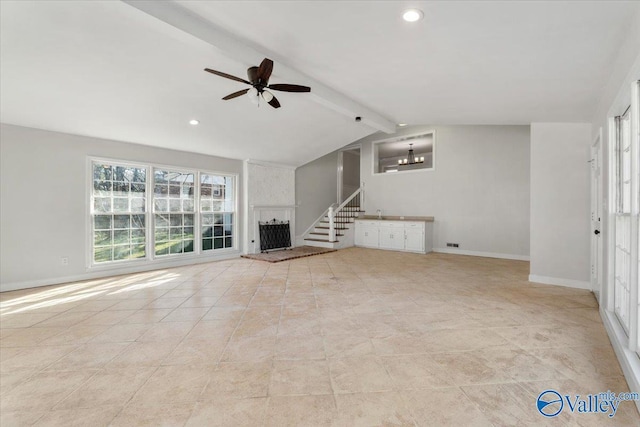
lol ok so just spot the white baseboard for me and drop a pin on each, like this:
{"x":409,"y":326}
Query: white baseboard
{"x":481,"y":254}
{"x":109,"y":272}
{"x":628,"y":360}
{"x":569,"y":283}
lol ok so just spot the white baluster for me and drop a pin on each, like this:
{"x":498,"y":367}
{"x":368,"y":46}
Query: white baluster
{"x":332,"y":225}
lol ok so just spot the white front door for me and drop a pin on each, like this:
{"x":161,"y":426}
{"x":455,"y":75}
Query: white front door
{"x":596,"y":218}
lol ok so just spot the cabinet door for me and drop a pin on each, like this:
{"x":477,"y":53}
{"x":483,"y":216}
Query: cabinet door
{"x":386,"y":238}
{"x":391,"y":238}
{"x":359,"y":237}
{"x":398,"y":239}
{"x":370,"y":237}
{"x":414,"y":240}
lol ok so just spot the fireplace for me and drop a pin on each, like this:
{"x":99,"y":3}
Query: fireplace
{"x":266,"y":213}
{"x":274,"y":234}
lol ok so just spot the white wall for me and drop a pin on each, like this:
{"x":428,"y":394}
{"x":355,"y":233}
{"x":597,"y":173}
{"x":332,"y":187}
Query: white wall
{"x":478,"y":192}
{"x":350,"y":173}
{"x":316,"y":189}
{"x":270,"y":184}
{"x":43,"y":201}
{"x":560,"y":203}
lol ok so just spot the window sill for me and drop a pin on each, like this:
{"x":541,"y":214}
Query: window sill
{"x":165,"y":261}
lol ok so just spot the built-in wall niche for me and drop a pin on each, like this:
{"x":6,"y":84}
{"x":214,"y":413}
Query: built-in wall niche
{"x":406,"y":153}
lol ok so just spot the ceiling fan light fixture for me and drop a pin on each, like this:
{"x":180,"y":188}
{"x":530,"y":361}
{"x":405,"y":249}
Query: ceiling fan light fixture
{"x":252,"y":94}
{"x":412,"y":15}
{"x":259,"y":81}
{"x":402,"y":125}
{"x":268,"y":96}
{"x":194,"y":122}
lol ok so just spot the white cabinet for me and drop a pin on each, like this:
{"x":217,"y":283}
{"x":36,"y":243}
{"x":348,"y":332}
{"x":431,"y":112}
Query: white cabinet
{"x":411,"y":236}
{"x":391,"y":238}
{"x":367,"y":234}
{"x":414,"y":233}
{"x":414,"y":240}
{"x":371,"y":237}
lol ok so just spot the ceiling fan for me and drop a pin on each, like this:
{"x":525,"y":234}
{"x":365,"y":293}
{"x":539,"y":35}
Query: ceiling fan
{"x":259,"y":80}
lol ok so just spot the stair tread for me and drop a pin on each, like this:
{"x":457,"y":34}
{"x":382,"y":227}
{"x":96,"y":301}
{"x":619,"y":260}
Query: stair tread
{"x":325,"y":234}
{"x":320,"y":240}
{"x":336,"y":228}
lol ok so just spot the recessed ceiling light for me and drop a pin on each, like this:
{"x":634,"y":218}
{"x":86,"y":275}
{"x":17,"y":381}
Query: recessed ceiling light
{"x":412,"y":15}
{"x":402,"y":124}
{"x":194,"y":122}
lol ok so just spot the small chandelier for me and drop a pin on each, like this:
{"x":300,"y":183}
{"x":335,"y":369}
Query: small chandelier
{"x":411,"y":158}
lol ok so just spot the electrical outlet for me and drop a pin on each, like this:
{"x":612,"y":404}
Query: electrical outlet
{"x":453,"y":245}
{"x":64,"y":260}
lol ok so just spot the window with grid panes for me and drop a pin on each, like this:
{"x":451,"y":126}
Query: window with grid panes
{"x":623,"y":221}
{"x":217,"y":216}
{"x":118,"y":212}
{"x":174,"y":212}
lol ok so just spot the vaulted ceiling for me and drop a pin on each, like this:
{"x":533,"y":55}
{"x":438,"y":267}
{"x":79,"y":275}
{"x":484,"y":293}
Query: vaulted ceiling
{"x":133,"y":71}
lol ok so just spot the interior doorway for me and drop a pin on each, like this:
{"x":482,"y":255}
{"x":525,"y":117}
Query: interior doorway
{"x":596,"y":216}
{"x":348,"y":172}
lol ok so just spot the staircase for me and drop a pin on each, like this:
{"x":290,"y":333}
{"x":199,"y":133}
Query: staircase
{"x":335,"y":227}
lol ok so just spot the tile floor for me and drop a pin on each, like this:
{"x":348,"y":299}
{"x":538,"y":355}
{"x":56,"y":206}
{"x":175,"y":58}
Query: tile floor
{"x":352,"y":338}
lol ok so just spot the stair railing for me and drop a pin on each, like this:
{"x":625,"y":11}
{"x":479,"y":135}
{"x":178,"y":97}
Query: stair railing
{"x":339,"y":215}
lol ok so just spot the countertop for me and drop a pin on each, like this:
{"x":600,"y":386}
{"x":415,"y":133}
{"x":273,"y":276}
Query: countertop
{"x":398,"y":218}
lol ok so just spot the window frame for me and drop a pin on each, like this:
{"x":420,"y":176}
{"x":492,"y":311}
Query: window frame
{"x":628,"y":236}
{"x":153,"y":212}
{"x":90,"y":213}
{"x":200,"y":212}
{"x":619,"y":164}
{"x":150,"y":257}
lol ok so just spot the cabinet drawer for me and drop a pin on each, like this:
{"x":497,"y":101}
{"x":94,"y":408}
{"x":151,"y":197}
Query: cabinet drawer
{"x":367,"y":223}
{"x":391,"y":224}
{"x":414,"y":225}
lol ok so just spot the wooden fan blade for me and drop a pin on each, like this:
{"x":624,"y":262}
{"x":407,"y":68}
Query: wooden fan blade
{"x":252,"y":73}
{"x":290,"y":88}
{"x":236,"y":94}
{"x":225,"y":75}
{"x":264,"y":72}
{"x":274,"y":102}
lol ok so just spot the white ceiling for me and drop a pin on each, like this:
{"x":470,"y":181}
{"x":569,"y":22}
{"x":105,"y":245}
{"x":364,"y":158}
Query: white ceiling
{"x":109,"y":70}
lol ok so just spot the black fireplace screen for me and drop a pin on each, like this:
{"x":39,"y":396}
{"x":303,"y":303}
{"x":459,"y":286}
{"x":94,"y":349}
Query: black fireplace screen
{"x":274,"y":234}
